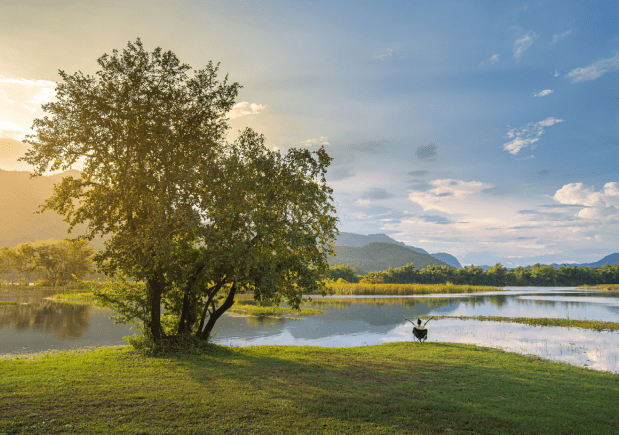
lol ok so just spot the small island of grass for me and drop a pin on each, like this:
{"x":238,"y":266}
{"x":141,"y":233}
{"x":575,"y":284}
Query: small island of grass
{"x":260,"y":311}
{"x":543,"y":321}
{"x":84,"y":298}
{"x":614,"y":287}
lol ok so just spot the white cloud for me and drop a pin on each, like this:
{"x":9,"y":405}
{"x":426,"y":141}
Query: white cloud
{"x":446,"y":194}
{"x":597,"y":204}
{"x":544,"y":93}
{"x":494,"y":58}
{"x":363,"y":202}
{"x":13,"y":131}
{"x":46,"y":91}
{"x":528,"y":135}
{"x":383,"y":54}
{"x":556,"y":73}
{"x":557,"y":37}
{"x":595,"y":70}
{"x":322,"y":140}
{"x":244,"y":109}
{"x":521,"y":45}
{"x":26,"y":82}
{"x":5,"y":98}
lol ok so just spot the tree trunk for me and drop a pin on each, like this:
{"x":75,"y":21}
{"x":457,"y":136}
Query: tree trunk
{"x":155,"y":287}
{"x":188,"y":315}
{"x":206,"y":333}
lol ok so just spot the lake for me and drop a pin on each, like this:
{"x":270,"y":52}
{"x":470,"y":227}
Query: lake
{"x":39,"y":324}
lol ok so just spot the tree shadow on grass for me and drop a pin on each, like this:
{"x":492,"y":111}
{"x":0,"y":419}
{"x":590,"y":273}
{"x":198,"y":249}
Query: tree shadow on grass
{"x":429,"y":388}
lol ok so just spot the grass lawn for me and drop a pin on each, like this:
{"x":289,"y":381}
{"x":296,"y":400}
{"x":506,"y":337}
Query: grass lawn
{"x":542,"y":321}
{"x":431,"y":388}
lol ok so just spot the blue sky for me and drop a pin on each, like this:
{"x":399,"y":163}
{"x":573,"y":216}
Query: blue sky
{"x":488,"y":130}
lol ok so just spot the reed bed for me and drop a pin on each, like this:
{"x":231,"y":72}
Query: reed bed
{"x":543,"y":321}
{"x":361,"y":289}
{"x":602,"y":287}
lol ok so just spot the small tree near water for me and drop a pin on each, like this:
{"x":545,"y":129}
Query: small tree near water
{"x":191,"y":218}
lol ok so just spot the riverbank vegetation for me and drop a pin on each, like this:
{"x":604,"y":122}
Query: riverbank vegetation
{"x":537,"y":275}
{"x":363,"y":288}
{"x":80,"y":298}
{"x":9,"y":303}
{"x":274,"y":311}
{"x":395,"y":388}
{"x":613,"y":287}
{"x":49,"y":264}
{"x":597,"y":325}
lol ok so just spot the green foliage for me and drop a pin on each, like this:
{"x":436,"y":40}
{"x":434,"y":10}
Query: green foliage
{"x":343,"y":271}
{"x":537,"y":275}
{"x":191,"y":218}
{"x":55,"y":264}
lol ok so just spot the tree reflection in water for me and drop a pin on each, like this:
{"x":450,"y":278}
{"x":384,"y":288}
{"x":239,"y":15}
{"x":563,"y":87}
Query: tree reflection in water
{"x":37,"y":313}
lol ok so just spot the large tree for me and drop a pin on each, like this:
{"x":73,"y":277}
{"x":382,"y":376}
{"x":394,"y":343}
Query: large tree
{"x":188,"y":214}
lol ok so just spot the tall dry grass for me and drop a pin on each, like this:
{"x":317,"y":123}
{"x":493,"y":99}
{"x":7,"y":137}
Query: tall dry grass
{"x":362,"y":289}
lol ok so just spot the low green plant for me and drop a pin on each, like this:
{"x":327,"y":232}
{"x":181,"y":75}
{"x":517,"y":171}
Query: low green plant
{"x":274,"y":311}
{"x":597,"y":325}
{"x":350,"y":289}
{"x":614,"y":287}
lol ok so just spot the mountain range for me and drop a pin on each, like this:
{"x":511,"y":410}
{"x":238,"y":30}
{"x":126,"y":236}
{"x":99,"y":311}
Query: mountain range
{"x":359,"y":240}
{"x":20,"y":198}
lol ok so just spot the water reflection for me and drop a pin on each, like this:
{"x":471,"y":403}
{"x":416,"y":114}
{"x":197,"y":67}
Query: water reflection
{"x":358,"y":321}
{"x":41,"y":324}
{"x":62,"y":320}
{"x":353,"y":321}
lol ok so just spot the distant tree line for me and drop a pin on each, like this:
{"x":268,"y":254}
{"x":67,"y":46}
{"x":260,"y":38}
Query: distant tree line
{"x":536,"y":275}
{"x":54,"y":264}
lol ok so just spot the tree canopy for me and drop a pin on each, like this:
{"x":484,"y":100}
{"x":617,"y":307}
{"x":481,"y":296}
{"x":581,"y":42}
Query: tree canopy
{"x":188,"y":214}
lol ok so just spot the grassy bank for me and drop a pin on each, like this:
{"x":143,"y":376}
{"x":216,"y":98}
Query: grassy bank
{"x":255,"y":310}
{"x":75,"y":298}
{"x":433,"y":388}
{"x":9,"y":303}
{"x":543,"y":321}
{"x":360,"y":289}
{"x":602,"y":287}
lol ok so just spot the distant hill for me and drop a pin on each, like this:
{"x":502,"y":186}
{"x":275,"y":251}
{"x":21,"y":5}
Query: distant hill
{"x":20,"y":197}
{"x":377,"y":256}
{"x":609,"y":259}
{"x":447,"y":258}
{"x":359,"y":240}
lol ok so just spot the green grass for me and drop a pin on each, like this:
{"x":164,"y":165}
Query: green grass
{"x":602,"y":287}
{"x":350,"y":289}
{"x":397,"y":388}
{"x":543,"y":321}
{"x":75,"y":298}
{"x":255,"y":310}
{"x":9,"y":303}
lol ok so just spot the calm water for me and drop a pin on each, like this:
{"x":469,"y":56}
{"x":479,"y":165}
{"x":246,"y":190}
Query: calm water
{"x":40,"y":324}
